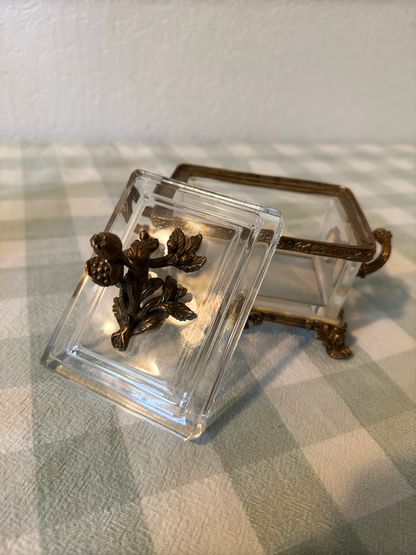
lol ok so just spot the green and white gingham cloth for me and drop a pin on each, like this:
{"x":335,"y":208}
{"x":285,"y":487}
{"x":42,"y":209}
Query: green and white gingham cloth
{"x":311,"y":456}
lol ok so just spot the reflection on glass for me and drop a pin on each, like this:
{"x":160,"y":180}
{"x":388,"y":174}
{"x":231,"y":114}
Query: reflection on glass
{"x":170,"y":375}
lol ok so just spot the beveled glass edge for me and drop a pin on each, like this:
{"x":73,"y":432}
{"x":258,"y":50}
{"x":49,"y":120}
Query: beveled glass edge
{"x":254,"y":207}
{"x":94,"y":385}
{"x":354,"y":253}
{"x":118,"y":210}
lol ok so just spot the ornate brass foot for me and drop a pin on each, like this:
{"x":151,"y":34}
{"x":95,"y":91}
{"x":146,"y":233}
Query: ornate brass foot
{"x":332,"y":336}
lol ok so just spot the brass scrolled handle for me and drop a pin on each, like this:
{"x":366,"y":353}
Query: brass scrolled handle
{"x":383,"y":237}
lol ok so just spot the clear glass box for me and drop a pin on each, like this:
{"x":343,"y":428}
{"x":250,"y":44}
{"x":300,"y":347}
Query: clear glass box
{"x":326,"y":239}
{"x":170,"y":375}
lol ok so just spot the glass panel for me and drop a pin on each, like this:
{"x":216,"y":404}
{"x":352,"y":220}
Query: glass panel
{"x":314,"y":216}
{"x":297,"y":283}
{"x":306,"y":285}
{"x":170,"y":375}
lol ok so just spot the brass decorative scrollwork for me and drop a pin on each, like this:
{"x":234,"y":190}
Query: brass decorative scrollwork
{"x":134,"y":314}
{"x":384,"y":238}
{"x":332,"y":336}
{"x":255,"y":317}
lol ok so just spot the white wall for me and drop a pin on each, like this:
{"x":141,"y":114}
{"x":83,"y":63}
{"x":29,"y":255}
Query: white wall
{"x":208,"y":70}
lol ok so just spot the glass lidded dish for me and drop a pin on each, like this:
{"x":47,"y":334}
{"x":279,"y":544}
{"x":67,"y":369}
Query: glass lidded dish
{"x":326,"y":243}
{"x":177,"y":270}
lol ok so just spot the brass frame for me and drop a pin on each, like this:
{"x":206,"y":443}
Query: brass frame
{"x":332,"y":335}
{"x":362,"y":252}
{"x":382,"y":237}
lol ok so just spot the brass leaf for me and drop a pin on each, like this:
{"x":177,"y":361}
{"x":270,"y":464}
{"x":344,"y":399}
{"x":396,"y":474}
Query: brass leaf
{"x":178,"y":310}
{"x":194,"y":265}
{"x":192,"y":244}
{"x":150,"y":286}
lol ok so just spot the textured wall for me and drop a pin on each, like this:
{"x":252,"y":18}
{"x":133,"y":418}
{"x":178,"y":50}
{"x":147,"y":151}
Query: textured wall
{"x":253,"y":70}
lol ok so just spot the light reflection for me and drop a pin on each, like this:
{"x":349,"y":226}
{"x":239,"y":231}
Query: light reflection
{"x":195,"y":334}
{"x":154,"y":370}
{"x":163,"y":237}
{"x":109,"y":326}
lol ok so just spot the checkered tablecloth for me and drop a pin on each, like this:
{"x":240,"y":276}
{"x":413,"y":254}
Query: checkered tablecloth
{"x":311,"y":455}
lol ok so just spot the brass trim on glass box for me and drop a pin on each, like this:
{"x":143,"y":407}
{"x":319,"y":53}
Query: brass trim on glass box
{"x":362,"y":252}
{"x":382,"y":237}
{"x":331,"y":335}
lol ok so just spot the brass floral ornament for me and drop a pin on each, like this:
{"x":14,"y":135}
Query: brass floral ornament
{"x":134,"y":314}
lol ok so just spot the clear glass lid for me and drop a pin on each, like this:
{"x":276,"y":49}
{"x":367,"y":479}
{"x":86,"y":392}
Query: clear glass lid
{"x":154,"y":324}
